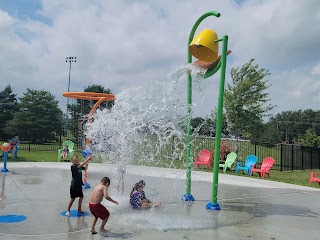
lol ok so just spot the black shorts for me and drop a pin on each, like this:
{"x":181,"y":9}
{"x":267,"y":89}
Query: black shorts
{"x":76,"y":191}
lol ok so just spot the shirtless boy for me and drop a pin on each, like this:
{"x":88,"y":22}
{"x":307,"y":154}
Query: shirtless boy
{"x":96,"y":208}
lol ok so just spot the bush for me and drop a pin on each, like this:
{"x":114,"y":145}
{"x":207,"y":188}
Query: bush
{"x":225,"y":149}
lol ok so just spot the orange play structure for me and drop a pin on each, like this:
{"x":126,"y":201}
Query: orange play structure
{"x":100,"y":97}
{"x":6,"y":147}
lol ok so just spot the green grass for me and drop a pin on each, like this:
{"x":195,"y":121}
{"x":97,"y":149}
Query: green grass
{"x":293,"y":177}
{"x":36,"y":156}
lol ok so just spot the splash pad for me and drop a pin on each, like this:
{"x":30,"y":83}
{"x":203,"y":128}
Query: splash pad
{"x":151,"y":119}
{"x":269,"y":209}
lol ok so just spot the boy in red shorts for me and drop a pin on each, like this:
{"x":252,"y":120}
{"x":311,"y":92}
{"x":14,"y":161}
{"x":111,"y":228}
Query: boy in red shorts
{"x":98,"y":210}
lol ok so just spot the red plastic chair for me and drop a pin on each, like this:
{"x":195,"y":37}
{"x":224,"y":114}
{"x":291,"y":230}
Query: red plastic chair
{"x":204,"y":158}
{"x":267,"y":164}
{"x":313,"y":178}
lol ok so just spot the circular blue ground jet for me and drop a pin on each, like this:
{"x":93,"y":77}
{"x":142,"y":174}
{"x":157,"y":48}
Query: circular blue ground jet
{"x":74,"y":214}
{"x":12,"y":218}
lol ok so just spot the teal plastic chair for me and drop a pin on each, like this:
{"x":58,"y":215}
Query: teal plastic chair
{"x":231,"y":158}
{"x":70,"y":147}
{"x":250,"y":160}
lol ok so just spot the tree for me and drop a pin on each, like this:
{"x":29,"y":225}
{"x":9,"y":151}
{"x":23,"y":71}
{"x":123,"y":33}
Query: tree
{"x":8,"y":105}
{"x":207,"y":128}
{"x":246,"y":100}
{"x":38,"y":117}
{"x":294,"y":124}
{"x":266,"y":134}
{"x":310,"y":139}
{"x":225,"y":130}
{"x":203,"y":126}
{"x":196,"y":123}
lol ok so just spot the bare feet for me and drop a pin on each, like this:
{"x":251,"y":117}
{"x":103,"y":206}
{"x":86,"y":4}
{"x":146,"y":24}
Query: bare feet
{"x":102,"y":230}
{"x":93,"y":231}
{"x":67,"y":213}
{"x":81,"y":212}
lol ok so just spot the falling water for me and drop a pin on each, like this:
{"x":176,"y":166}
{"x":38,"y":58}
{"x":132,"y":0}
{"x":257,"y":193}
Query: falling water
{"x":146,"y":125}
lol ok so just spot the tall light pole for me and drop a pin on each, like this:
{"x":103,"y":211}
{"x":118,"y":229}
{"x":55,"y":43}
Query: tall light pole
{"x":69,"y":60}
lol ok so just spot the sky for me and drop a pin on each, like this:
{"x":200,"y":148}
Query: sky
{"x":124,"y":43}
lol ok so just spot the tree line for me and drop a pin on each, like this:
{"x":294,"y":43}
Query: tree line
{"x":246,"y":106}
{"x":36,"y":115}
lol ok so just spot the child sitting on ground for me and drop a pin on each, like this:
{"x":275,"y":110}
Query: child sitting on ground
{"x":136,"y":199}
{"x":143,"y":195}
{"x":65,"y":152}
{"x":98,"y":210}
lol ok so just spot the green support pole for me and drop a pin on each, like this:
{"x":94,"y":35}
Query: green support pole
{"x":188,"y":196}
{"x":214,"y":204}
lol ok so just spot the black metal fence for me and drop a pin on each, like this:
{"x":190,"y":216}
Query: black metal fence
{"x":288,"y":157}
{"x":296,"y":157}
{"x":26,"y":137}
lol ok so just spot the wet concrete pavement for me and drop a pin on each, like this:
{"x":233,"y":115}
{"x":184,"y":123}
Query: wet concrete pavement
{"x":251,"y":208}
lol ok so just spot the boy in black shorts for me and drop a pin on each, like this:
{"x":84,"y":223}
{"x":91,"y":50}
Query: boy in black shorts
{"x":76,"y":182}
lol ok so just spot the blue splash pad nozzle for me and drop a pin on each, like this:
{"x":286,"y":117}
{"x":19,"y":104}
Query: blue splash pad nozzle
{"x":86,"y":153}
{"x":12,"y":218}
{"x":187,"y":198}
{"x":86,"y":185}
{"x":74,"y":214}
{"x":213,"y":206}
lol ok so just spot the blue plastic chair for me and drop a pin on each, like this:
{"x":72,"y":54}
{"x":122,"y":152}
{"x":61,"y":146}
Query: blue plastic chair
{"x":250,"y":160}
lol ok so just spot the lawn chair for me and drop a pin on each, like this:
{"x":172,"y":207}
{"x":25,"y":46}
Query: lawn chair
{"x":267,"y":164}
{"x":314,"y":177}
{"x":70,"y":147}
{"x":204,"y":158}
{"x":250,"y":160}
{"x":231,"y":158}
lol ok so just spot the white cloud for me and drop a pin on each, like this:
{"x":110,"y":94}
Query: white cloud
{"x":123,"y":43}
{"x":316,"y":70}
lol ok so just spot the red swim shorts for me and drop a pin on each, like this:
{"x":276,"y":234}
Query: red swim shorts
{"x":99,"y":211}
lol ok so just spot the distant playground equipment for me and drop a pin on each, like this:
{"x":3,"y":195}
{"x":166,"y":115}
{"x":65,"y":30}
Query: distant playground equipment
{"x":6,"y":147}
{"x":100,"y":98}
{"x":205,"y":48}
{"x":17,"y":148}
{"x":70,"y":145}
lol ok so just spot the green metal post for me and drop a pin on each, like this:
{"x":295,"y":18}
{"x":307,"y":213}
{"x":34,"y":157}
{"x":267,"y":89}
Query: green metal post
{"x":214,"y":204}
{"x":188,"y":196}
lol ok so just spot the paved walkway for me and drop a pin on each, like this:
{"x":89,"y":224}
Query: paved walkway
{"x":251,"y":208}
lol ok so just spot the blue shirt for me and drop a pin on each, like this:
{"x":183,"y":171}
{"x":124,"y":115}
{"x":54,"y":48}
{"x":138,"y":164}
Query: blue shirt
{"x":135,"y":200}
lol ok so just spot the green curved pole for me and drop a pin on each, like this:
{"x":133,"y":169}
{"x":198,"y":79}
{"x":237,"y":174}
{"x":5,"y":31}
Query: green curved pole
{"x":188,"y":196}
{"x":214,"y":204}
{"x":212,"y":70}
